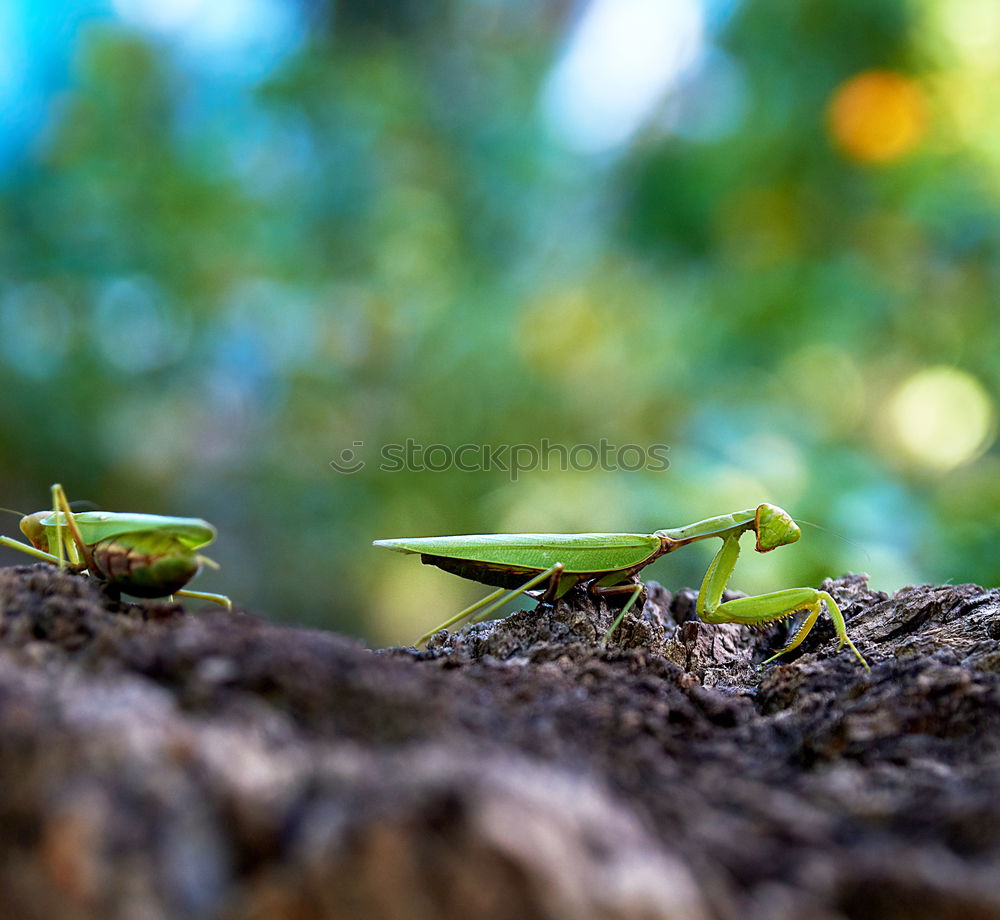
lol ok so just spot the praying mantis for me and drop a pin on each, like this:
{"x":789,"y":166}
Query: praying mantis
{"x":144,"y":555}
{"x":609,"y":563}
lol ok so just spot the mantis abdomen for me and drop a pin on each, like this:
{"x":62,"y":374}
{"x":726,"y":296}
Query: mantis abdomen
{"x":144,"y":564}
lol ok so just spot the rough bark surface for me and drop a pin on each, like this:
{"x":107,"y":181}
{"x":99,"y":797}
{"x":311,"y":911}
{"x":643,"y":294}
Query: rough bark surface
{"x":158,"y":764}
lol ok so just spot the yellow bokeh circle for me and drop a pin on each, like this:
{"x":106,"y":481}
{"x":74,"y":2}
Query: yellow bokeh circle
{"x":941,"y":417}
{"x":877,"y":116}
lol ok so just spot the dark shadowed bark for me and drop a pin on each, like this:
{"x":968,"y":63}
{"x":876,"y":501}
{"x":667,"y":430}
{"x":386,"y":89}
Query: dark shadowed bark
{"x":159,"y":764}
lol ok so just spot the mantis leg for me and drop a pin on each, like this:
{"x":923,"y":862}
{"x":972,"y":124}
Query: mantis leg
{"x":60,"y":504}
{"x":30,"y":550}
{"x":461,"y":615}
{"x":635,"y":590}
{"x":206,"y":596}
{"x":765,"y":608}
{"x":552,"y":575}
{"x":497,"y":599}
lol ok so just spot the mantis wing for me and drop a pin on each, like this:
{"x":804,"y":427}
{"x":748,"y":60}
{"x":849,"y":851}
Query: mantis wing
{"x":95,"y":526}
{"x":578,"y":552}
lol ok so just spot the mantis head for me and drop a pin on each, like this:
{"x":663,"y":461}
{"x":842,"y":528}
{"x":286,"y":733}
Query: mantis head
{"x":774,"y":527}
{"x":31,"y":527}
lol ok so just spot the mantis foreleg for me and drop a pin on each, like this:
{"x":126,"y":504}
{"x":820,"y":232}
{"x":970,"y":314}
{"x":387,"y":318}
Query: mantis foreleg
{"x":765,"y":608}
{"x":30,"y":550}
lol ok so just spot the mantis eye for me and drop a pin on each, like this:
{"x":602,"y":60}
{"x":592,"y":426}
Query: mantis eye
{"x":774,"y":528}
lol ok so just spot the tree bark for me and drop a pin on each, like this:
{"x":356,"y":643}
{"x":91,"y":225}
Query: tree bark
{"x":160,"y":764}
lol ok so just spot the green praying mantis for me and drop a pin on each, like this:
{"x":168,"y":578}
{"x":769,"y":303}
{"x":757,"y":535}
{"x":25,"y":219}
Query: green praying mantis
{"x":609,"y":563}
{"x":144,"y":555}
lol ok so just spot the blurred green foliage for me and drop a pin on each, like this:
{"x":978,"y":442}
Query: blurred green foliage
{"x":211,"y":288}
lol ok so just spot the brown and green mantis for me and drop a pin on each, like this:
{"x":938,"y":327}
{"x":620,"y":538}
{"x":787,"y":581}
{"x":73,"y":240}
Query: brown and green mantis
{"x":609,"y":563}
{"x":145,"y":555}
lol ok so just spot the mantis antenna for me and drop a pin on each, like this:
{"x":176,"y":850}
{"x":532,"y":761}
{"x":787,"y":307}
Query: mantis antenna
{"x":839,"y":536}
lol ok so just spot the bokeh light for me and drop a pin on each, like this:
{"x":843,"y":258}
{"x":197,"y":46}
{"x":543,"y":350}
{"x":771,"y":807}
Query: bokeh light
{"x":942,"y":417}
{"x":973,"y":27}
{"x":132,"y":329}
{"x":621,"y":58}
{"x":35,"y":330}
{"x":878,"y":116}
{"x":243,"y":37}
